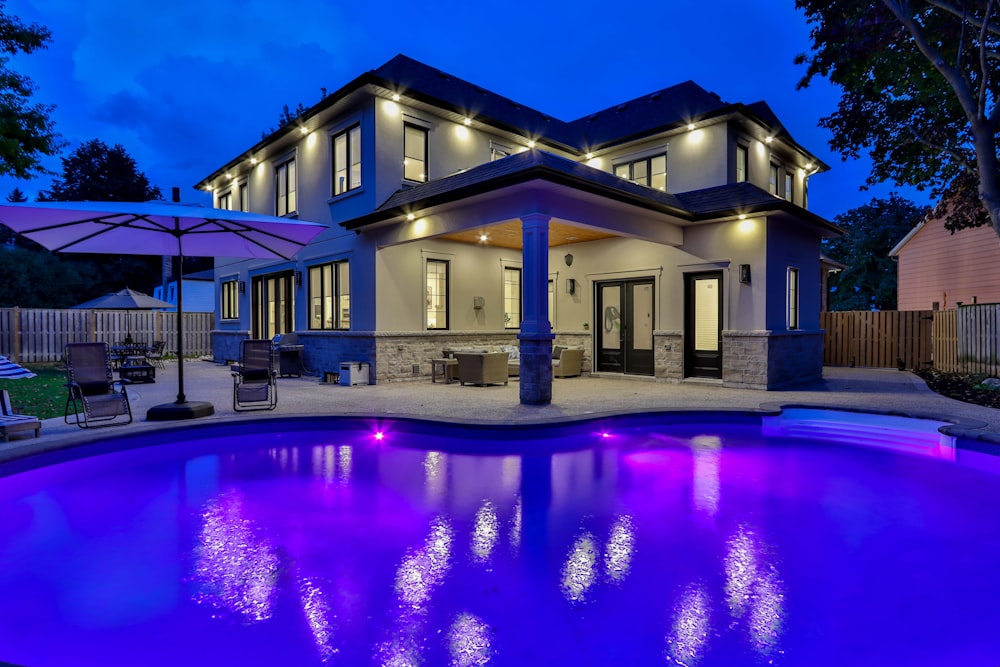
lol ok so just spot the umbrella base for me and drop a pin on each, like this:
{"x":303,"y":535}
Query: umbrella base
{"x":177,"y":411}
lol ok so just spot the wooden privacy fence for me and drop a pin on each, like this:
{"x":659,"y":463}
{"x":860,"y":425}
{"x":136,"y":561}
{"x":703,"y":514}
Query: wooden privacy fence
{"x":39,"y":335}
{"x":882,"y":339}
{"x":978,"y":335}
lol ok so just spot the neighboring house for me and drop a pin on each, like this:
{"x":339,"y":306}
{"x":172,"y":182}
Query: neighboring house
{"x":199,"y":292}
{"x":668,"y":235}
{"x":936,"y":270}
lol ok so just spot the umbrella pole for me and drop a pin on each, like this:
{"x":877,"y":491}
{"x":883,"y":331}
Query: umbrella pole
{"x":180,"y":330}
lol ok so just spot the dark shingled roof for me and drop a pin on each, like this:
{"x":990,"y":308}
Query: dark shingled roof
{"x":531,"y":165}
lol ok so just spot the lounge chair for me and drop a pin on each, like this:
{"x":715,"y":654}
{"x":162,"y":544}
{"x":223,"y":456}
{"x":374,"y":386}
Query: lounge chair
{"x":11,"y":423}
{"x":567,"y":362}
{"x":97,"y":399}
{"x":255,"y":380}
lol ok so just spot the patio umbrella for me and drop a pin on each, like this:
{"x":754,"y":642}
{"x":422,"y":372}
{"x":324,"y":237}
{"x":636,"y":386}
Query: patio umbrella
{"x":160,"y":228}
{"x":126,"y":299}
{"x":11,"y":371}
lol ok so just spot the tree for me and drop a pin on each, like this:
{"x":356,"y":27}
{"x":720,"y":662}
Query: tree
{"x":869,"y":281}
{"x":26,"y":131}
{"x":96,"y":172}
{"x":921,"y":91}
{"x":16,"y":196}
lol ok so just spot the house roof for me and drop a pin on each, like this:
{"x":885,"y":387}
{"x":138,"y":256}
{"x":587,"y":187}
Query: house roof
{"x":663,"y":110}
{"x":906,"y":239}
{"x":695,"y":206}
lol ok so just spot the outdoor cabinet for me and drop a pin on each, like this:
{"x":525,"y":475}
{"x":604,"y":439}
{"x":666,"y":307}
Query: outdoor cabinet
{"x":353,"y":372}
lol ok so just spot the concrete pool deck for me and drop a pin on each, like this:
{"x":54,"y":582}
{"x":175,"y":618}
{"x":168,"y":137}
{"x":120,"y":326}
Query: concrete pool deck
{"x":871,"y":390}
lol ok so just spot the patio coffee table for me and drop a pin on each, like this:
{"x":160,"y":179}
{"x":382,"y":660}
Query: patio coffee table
{"x":446,"y":367}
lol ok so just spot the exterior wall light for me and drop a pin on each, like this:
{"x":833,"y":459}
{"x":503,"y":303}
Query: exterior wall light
{"x":243,"y":287}
{"x":298,"y":279}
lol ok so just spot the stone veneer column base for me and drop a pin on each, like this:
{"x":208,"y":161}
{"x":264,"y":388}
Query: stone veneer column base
{"x":668,"y":355}
{"x":536,"y":368}
{"x":771,"y":359}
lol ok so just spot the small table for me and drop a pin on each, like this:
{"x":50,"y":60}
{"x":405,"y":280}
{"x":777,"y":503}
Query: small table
{"x":447,"y":368}
{"x":137,"y":373}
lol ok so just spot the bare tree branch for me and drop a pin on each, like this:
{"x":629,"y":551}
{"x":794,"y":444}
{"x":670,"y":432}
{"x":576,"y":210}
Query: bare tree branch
{"x":985,"y":72}
{"x":940,"y":148}
{"x":985,"y":25}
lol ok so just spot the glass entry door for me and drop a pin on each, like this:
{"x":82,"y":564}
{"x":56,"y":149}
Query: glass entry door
{"x":624,"y":326}
{"x":703,"y":325}
{"x":273,"y":305}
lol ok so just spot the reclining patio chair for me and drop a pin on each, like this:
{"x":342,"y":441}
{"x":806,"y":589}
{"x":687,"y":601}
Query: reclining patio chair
{"x":11,"y":422}
{"x":255,"y":380}
{"x":96,"y":397}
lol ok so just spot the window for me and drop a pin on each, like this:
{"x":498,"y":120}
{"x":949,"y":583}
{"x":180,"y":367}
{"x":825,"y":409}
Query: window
{"x":805,"y":193}
{"x":793,"y":298}
{"x":437,"y":294}
{"x":741,"y":163}
{"x":511,"y":298}
{"x":273,"y":305}
{"x":230,"y":300}
{"x":284,"y":174}
{"x":788,"y":186}
{"x":772,"y":181}
{"x":414,"y":153}
{"x":347,"y":160}
{"x":650,"y":171}
{"x":330,"y":296}
{"x":498,"y":151}
{"x":225,"y":200}
{"x":244,"y":197}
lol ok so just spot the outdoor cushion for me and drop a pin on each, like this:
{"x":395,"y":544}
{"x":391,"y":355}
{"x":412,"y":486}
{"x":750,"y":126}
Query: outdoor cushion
{"x":556,"y":351}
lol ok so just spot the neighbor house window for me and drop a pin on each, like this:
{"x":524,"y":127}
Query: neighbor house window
{"x":650,"y":171}
{"x":330,"y":296}
{"x":273,"y":302}
{"x":772,"y":180}
{"x":347,"y":160}
{"x":793,"y":298}
{"x":437,"y":294}
{"x":741,"y":163}
{"x":414,"y":153}
{"x":511,"y":298}
{"x":230,"y":300}
{"x":788,"y":186}
{"x":244,"y":197}
{"x":284,"y":175}
{"x":225,"y":200}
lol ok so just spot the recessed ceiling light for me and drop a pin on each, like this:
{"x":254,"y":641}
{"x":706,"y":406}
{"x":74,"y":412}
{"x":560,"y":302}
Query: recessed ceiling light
{"x":467,"y":121}
{"x":531,"y":144}
{"x":769,"y":139}
{"x":303,"y":130}
{"x":395,"y":97}
{"x":410,"y":216}
{"x":484,"y":238}
{"x":690,"y":126}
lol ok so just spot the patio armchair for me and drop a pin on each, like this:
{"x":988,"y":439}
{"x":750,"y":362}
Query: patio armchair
{"x":11,"y":422}
{"x":96,"y":398}
{"x":568,"y":363}
{"x":482,"y":368}
{"x":255,"y":380}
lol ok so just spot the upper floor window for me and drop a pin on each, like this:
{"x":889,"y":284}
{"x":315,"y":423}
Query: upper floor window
{"x":772,"y":180}
{"x":741,"y":163}
{"x":230,"y":300}
{"x":805,"y":193}
{"x":648,"y":171}
{"x":793,"y":298}
{"x":437,"y":294}
{"x":330,"y":296}
{"x":347,"y":160}
{"x":244,"y":194}
{"x":284,"y":175}
{"x":225,"y":200}
{"x":414,"y":153}
{"x":511,"y":298}
{"x":498,"y":151}
{"x":788,"y":186}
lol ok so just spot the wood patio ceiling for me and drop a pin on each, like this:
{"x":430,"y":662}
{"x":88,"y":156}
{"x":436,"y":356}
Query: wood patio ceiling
{"x":508,"y":235}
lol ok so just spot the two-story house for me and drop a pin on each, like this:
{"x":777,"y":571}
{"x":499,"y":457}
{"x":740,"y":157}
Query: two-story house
{"x":668,"y":235}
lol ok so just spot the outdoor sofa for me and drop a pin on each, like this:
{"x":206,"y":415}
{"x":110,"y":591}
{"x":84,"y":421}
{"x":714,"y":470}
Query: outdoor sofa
{"x":482,"y":368}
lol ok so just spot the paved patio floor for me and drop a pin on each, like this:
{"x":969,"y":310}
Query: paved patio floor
{"x":887,"y":391}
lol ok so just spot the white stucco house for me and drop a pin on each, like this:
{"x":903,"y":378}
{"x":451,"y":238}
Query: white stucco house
{"x":669,"y":236}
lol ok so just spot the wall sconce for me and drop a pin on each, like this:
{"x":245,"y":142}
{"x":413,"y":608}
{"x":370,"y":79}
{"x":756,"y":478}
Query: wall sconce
{"x":298,"y":279}
{"x":745,"y":274}
{"x":570,"y":286}
{"x":243,"y":287}
{"x":478,"y":302}
{"x":568,"y":259}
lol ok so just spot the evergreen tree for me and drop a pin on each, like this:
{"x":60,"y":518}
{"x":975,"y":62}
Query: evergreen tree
{"x":96,"y":172}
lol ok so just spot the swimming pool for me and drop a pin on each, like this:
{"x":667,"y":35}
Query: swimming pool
{"x":665,"y":539}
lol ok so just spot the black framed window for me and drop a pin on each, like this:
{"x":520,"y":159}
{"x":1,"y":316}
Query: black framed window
{"x":512,"y":314}
{"x":414,"y":153}
{"x":244,"y":196}
{"x":347,"y":160}
{"x":284,"y":175}
{"x":649,"y":171}
{"x":230,"y":306}
{"x":330,"y":296}
{"x":789,"y":188}
{"x":225,"y":200}
{"x":772,"y":179}
{"x":437,"y":294}
{"x":793,"y":298}
{"x":742,"y":157}
{"x":273,"y":302}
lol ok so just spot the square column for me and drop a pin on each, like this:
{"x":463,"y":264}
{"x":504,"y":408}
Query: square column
{"x":536,"y":330}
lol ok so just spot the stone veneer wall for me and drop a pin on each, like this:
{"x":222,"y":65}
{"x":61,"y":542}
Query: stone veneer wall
{"x":771,"y":360}
{"x":226,"y":345}
{"x":668,"y":355}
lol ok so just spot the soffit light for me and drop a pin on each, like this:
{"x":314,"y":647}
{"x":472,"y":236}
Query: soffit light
{"x":410,"y":216}
{"x":590,"y":156}
{"x":467,"y":121}
{"x":531,"y":144}
{"x":303,"y":130}
{"x":483,"y":238}
{"x":253,"y":160}
{"x":743,"y":216}
{"x":395,"y":97}
{"x":690,"y":126}
{"x":768,"y":139}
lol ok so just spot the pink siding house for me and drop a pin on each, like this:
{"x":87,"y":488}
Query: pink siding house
{"x":937,"y":269}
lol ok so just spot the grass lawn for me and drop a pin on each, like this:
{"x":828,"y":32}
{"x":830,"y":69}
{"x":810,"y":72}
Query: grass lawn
{"x":43,"y":396}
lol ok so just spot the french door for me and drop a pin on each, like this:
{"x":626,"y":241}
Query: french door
{"x":624,"y":325}
{"x":273,"y":305}
{"x":703,"y":325}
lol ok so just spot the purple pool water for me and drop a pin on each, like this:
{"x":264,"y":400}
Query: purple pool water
{"x":636,"y":541}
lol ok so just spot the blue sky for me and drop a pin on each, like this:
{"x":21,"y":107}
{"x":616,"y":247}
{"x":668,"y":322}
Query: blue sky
{"x":185,"y":85}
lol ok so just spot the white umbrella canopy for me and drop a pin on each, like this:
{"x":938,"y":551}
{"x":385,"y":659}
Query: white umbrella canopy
{"x":11,"y":371}
{"x":159,"y":228}
{"x":126,"y":299}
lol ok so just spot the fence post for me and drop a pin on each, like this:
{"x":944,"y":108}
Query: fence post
{"x":15,"y":342}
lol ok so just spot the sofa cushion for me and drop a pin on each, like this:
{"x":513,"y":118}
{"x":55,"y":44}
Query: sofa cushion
{"x":513,"y":352}
{"x":556,"y":351}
